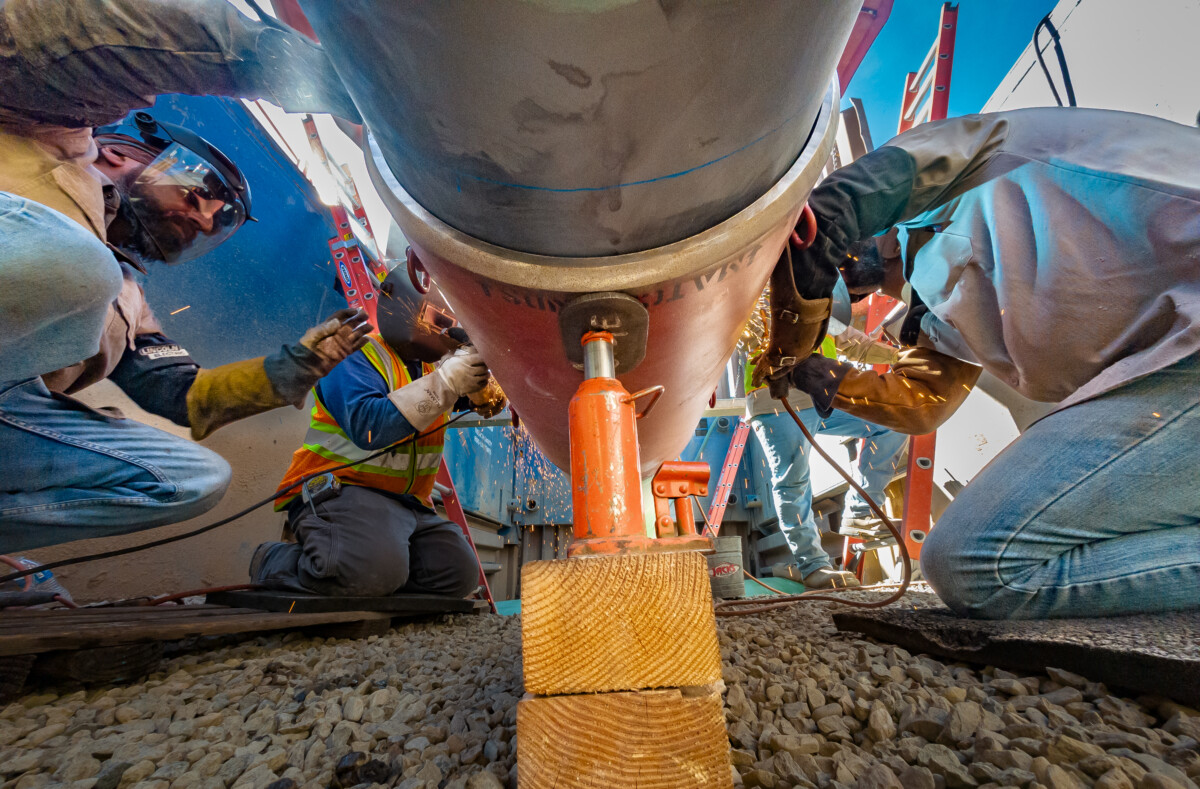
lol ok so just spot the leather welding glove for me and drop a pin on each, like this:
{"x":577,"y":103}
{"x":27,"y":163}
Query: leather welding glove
{"x":296,"y":368}
{"x":922,"y":390}
{"x":425,"y":399}
{"x":221,"y":395}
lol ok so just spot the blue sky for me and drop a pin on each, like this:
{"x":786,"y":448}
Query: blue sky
{"x":991,"y":35}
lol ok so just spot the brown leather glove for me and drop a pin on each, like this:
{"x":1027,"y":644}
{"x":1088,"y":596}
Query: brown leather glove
{"x":341,"y":335}
{"x":797,"y":327}
{"x":220,"y":395}
{"x":923,"y":389}
{"x":296,"y":368}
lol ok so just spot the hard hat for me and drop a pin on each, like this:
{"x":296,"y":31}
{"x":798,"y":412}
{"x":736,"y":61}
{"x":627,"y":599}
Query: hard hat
{"x":190,"y":198}
{"x":417,"y":325}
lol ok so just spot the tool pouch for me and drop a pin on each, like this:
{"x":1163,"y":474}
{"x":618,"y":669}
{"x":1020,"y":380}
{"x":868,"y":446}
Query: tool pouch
{"x":797,"y":325}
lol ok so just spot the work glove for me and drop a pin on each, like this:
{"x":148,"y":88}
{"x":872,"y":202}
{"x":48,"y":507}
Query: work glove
{"x":801,"y":288}
{"x":296,"y":368}
{"x":922,"y":390}
{"x":820,"y":378}
{"x":425,"y":399}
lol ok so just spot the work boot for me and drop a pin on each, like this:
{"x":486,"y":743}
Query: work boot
{"x":866,"y":522}
{"x":821,"y":578}
{"x":256,"y":561}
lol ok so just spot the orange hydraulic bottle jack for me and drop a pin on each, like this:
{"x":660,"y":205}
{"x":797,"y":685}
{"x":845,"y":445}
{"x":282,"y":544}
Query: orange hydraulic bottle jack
{"x":606,"y":485}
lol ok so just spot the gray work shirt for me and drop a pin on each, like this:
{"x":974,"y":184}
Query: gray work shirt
{"x":1058,"y":248}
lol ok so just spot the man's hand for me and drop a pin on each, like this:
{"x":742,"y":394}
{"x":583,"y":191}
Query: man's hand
{"x":425,"y":399}
{"x":820,"y":377}
{"x":341,"y":335}
{"x":297,"y":368}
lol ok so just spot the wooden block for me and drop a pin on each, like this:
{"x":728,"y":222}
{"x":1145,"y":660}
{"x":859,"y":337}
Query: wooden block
{"x":626,"y":622}
{"x":651,"y":739}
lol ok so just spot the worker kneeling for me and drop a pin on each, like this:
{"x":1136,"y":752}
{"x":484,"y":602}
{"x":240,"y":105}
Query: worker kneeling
{"x":1057,"y":249}
{"x":366,"y":528}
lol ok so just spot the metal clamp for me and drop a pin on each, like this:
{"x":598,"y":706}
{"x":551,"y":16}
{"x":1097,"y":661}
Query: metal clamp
{"x":619,"y":314}
{"x":676,"y":483}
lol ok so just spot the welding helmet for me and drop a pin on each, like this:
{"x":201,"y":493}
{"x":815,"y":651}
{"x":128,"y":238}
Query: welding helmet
{"x":189,"y":199}
{"x":413,"y":318}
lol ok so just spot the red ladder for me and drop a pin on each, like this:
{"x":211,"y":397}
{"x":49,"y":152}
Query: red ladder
{"x":926,"y":98}
{"x":733,"y":458}
{"x":454,"y":512}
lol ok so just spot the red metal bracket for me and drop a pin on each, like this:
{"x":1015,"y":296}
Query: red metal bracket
{"x":675,"y":483}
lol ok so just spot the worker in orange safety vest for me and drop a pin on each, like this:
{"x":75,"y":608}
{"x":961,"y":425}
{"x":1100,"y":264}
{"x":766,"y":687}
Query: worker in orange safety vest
{"x":364,"y":525}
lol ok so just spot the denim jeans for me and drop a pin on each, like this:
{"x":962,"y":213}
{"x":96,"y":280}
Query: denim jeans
{"x":56,"y":282}
{"x":1093,"y":511}
{"x":68,"y":472}
{"x":787,"y":450}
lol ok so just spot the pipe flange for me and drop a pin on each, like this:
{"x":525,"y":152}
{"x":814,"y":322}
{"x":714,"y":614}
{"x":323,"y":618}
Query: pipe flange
{"x":619,"y":314}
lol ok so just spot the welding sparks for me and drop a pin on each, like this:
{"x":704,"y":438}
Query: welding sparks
{"x":181,"y":309}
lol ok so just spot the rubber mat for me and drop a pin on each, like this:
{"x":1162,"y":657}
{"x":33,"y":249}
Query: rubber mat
{"x":398,"y":604}
{"x":1157,"y":654}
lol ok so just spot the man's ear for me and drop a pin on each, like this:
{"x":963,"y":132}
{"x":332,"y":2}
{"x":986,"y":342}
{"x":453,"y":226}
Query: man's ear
{"x":111,"y":156}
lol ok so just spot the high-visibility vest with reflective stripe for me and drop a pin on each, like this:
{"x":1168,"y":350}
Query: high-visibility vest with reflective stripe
{"x":409,"y":468}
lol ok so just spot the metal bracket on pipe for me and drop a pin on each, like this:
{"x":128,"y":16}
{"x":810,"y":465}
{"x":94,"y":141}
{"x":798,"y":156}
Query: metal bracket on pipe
{"x":619,"y":314}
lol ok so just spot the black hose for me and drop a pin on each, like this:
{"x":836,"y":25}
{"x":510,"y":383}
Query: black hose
{"x":1062,"y":61}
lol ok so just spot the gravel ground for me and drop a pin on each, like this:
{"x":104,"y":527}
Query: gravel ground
{"x":434,"y":705}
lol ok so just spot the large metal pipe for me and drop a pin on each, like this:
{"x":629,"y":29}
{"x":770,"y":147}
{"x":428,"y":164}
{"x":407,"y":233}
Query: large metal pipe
{"x":586,"y":127}
{"x":698,"y":293}
{"x":534,"y":151}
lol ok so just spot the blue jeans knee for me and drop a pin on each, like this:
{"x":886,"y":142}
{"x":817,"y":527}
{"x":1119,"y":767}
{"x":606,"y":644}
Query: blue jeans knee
{"x":205,"y":484}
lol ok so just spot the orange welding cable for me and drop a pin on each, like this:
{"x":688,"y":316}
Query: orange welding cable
{"x":752,"y":606}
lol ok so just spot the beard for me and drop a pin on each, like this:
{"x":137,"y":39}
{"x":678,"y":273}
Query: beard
{"x":127,"y":233}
